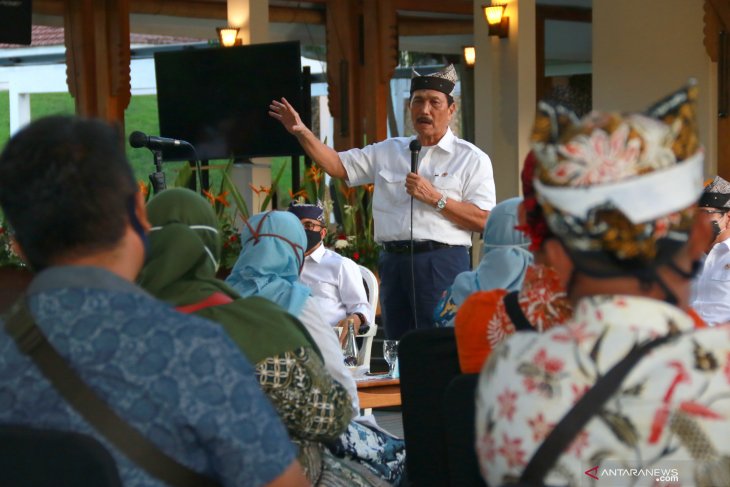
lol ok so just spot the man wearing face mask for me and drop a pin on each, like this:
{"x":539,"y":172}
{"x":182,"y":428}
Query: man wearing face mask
{"x":712,"y":287}
{"x":335,"y":280}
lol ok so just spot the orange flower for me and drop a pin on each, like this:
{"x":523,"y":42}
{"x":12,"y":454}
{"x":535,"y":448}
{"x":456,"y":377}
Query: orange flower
{"x":221,"y":198}
{"x":261,"y":189}
{"x":369,"y":188}
{"x":314,"y":173}
{"x":143,"y":188}
{"x":301,"y":192}
{"x":209,"y":195}
{"x":347,"y":192}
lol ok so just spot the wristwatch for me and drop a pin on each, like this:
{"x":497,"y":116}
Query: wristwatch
{"x":441,"y":203}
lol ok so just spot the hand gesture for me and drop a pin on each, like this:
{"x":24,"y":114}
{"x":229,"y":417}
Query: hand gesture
{"x":285,"y":113}
{"x":421,"y":189}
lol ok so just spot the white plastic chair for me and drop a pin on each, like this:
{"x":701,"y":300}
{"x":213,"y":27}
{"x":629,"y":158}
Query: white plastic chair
{"x":372,"y":290}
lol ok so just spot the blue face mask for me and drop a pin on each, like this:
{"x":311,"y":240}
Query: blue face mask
{"x":137,"y":227}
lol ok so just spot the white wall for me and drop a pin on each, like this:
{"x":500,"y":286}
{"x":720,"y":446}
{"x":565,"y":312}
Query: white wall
{"x":644,"y":50}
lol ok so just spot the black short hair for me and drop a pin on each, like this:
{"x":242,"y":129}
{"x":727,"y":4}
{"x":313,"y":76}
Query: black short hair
{"x":66,"y":188}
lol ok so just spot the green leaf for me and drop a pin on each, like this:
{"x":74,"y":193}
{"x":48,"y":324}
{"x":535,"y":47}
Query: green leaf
{"x":274,"y":184}
{"x":184,"y":175}
{"x":237,"y":198}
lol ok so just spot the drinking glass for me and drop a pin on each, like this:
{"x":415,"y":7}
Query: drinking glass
{"x":390,"y":354}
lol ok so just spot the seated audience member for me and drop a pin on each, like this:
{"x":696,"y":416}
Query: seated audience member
{"x":335,"y":280}
{"x":619,"y":192}
{"x":485,"y":320}
{"x":268,"y":266}
{"x":711,"y":298}
{"x":178,"y":380}
{"x":271,"y":258}
{"x":180,"y":269}
{"x":505,"y":257}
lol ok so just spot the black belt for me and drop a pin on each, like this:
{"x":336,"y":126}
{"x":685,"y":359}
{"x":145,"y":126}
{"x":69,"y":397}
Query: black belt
{"x":404,"y":246}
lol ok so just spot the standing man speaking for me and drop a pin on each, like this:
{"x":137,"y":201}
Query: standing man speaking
{"x":452,"y":189}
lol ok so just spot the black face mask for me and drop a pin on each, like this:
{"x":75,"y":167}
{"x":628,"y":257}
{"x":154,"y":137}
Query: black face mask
{"x":715,"y":229}
{"x":313,"y":238}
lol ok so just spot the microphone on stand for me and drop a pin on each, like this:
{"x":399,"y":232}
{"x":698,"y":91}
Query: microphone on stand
{"x":415,"y":147}
{"x":139,"y":139}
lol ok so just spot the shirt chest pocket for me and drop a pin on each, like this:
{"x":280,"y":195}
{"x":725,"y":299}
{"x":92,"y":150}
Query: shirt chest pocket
{"x":391,"y":189}
{"x":448,"y":185}
{"x":722,"y":273}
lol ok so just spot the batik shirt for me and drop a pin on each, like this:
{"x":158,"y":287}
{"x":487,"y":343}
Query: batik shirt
{"x":177,"y":379}
{"x":482,"y":321}
{"x":668,"y":421}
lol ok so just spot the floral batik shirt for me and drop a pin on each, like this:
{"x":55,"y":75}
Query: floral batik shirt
{"x":666,"y":425}
{"x":482,"y":321}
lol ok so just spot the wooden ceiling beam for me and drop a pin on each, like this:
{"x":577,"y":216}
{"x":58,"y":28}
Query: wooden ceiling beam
{"x":218,"y":10}
{"x":463,"y":7}
{"x":417,"y":26}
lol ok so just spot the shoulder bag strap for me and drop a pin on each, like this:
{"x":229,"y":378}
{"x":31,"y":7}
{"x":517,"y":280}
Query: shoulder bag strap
{"x":21,"y":326}
{"x":573,"y":422}
{"x":518,"y":318}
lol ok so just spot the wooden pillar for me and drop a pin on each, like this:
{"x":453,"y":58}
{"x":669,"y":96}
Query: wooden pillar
{"x":717,"y":33}
{"x":97,"y":57}
{"x":362,"y":52}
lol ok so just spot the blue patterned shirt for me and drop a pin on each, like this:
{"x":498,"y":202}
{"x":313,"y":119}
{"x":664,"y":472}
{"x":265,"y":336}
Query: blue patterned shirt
{"x":177,"y":379}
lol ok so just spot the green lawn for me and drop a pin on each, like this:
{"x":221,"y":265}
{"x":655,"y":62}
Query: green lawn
{"x":140,"y":115}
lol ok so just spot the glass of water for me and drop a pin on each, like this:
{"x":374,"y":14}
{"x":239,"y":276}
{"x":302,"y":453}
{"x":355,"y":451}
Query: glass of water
{"x":390,"y":354}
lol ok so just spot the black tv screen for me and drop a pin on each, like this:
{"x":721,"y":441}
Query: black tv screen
{"x":218,"y":99}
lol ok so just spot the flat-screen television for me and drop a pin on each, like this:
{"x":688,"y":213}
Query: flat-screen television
{"x":218,"y":99}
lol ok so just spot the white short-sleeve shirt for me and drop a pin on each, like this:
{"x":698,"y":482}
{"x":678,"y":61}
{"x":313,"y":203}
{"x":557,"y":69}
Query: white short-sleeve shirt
{"x":457,"y":169}
{"x":711,"y":288}
{"x":336,"y":283}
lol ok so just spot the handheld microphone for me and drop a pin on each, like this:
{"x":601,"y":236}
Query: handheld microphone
{"x":138,"y":139}
{"x":415,"y":147}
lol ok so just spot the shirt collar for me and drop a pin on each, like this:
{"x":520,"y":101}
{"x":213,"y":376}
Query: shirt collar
{"x":317,"y":254}
{"x":645,"y":317}
{"x":448,"y":141}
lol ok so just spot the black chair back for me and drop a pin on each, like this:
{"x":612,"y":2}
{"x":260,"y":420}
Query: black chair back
{"x":428,"y":362}
{"x":459,"y":410}
{"x":41,"y":458}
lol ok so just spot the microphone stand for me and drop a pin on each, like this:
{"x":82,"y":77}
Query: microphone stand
{"x":157,"y":178}
{"x":415,"y":147}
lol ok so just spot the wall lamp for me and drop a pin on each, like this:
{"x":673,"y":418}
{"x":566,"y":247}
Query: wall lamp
{"x":228,"y":36}
{"x":470,"y":56}
{"x":497,"y":21}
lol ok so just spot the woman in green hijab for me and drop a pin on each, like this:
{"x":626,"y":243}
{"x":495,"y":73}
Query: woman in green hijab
{"x":183,"y":258}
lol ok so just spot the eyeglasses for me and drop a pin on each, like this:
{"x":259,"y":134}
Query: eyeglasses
{"x":312,"y":226}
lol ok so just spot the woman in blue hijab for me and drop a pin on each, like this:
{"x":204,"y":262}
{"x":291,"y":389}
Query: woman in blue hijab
{"x":505,"y":258}
{"x":268,"y":266}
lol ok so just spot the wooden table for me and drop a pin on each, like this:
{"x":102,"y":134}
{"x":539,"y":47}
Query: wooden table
{"x":378,"y":393}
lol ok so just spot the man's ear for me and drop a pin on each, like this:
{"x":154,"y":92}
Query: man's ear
{"x":140,"y":209}
{"x":557,"y":257}
{"x":323,"y":232}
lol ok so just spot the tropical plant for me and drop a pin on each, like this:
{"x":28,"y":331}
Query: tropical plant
{"x":352,"y":236}
{"x":8,"y":257}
